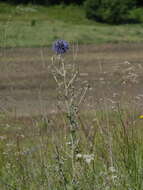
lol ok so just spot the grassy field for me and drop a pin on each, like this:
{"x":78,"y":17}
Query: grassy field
{"x":72,"y":123}
{"x":39,"y":149}
{"x":34,"y":26}
{"x":37,"y":153}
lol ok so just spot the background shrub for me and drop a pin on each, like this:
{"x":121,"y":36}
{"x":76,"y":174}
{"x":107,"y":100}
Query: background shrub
{"x":109,"y":11}
{"x":136,"y":15}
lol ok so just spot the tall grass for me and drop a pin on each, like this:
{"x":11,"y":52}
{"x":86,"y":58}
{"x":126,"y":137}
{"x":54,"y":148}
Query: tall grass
{"x":108,"y":156}
{"x":72,"y":149}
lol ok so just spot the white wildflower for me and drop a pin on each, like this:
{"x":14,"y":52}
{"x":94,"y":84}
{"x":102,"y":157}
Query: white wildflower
{"x":112,"y":169}
{"x":78,"y":156}
{"x":88,"y":158}
{"x":69,"y":143}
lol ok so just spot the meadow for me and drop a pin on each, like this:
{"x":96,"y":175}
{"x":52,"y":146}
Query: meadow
{"x":71,"y":122}
{"x":34,"y":26}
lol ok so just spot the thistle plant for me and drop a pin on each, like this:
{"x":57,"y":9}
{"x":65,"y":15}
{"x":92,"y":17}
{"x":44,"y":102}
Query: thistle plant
{"x":70,"y":94}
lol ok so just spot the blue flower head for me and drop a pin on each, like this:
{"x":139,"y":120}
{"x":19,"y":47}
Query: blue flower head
{"x":60,"y":46}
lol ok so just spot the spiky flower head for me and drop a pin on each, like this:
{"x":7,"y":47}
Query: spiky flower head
{"x":60,"y":46}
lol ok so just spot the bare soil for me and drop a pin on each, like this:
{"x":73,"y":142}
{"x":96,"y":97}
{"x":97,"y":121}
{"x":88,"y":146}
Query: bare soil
{"x":114,"y":72}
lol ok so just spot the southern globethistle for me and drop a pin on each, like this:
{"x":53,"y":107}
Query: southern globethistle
{"x":60,"y":46}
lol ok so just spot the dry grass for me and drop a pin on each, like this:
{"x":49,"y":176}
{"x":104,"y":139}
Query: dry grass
{"x":27,"y":88}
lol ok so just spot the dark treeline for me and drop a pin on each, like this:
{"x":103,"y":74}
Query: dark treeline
{"x":107,"y":11}
{"x":140,"y":2}
{"x":44,"y":2}
{"x":53,"y":2}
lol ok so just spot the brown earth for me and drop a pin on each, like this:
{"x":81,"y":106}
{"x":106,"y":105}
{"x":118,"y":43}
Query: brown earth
{"x":114,"y":72}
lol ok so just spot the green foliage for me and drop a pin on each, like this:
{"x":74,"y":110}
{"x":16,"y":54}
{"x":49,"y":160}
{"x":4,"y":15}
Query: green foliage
{"x":136,"y":15}
{"x":109,"y":11}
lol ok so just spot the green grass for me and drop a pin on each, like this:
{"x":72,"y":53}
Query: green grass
{"x":32,"y":157}
{"x":34,"y":26}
